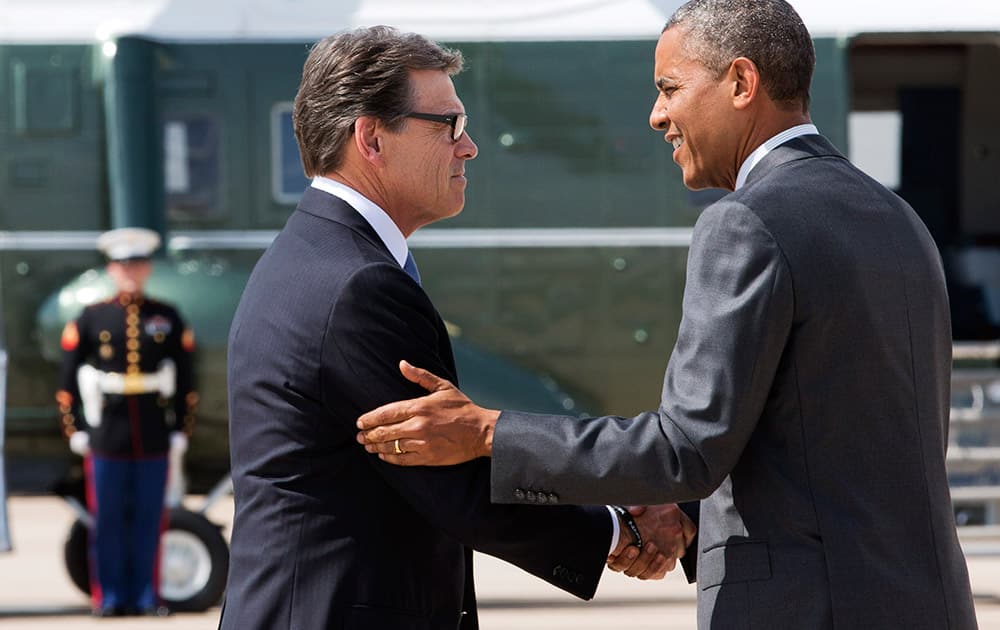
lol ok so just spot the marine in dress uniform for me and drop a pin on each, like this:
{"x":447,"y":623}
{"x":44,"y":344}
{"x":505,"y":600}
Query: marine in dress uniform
{"x":125,"y":360}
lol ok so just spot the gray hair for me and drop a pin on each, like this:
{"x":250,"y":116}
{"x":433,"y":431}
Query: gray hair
{"x":768,"y":32}
{"x":358,"y":73}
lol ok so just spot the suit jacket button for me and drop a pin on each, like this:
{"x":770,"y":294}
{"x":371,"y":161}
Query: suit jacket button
{"x":553,"y":497}
{"x":531,"y":496}
{"x":518,"y":494}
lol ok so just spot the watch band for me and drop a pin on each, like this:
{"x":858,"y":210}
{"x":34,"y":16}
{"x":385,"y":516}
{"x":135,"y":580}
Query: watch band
{"x":630,"y":523}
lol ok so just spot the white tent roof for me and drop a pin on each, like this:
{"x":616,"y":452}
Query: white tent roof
{"x":449,"y":20}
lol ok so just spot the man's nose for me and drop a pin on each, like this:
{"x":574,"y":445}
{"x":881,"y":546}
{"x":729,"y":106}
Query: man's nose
{"x":658,"y":118}
{"x":465,"y":148}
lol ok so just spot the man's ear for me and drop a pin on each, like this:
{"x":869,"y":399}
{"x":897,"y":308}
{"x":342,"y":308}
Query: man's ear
{"x":745,"y":79}
{"x":368,"y":132}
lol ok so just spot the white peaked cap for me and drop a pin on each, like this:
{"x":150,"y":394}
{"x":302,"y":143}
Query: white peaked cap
{"x":128,"y":243}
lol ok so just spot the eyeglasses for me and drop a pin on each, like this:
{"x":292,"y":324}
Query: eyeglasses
{"x":457,"y":121}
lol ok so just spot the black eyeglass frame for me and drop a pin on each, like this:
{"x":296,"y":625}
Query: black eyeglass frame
{"x":458,"y":122}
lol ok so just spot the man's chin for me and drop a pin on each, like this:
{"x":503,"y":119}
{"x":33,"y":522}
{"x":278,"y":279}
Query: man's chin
{"x":695,"y":182}
{"x":444,"y":214}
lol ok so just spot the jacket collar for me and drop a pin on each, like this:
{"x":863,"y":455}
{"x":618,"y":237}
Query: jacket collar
{"x":326,"y":206}
{"x":800,"y":148}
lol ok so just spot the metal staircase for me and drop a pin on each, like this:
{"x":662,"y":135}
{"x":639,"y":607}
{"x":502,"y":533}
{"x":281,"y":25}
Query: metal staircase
{"x":974,"y":445}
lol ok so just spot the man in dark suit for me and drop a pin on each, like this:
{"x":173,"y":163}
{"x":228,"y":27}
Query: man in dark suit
{"x":807,"y":397}
{"x":326,"y":535}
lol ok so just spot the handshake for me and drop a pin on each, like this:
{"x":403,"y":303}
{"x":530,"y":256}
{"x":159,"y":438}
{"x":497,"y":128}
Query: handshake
{"x":664,"y":532}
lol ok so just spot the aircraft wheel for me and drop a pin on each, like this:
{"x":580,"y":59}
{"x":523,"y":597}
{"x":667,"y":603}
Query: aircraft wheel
{"x":75,"y":556}
{"x":193,"y":563}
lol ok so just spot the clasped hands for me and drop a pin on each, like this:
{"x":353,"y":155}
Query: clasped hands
{"x":446,"y":427}
{"x":666,"y":533}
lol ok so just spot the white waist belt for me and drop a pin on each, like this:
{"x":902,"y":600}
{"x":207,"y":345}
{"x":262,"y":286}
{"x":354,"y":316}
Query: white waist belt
{"x":94,"y":384}
{"x":161,"y":381}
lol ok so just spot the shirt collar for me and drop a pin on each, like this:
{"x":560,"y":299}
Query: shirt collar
{"x":383,"y":225}
{"x":770,"y":145}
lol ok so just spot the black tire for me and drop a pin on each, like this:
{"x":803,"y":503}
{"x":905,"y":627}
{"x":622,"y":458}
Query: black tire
{"x":193,"y":565}
{"x":76,"y":558}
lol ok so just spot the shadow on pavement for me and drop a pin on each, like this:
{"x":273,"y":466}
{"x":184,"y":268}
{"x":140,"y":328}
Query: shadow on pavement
{"x":45,"y":611}
{"x":632,"y":602}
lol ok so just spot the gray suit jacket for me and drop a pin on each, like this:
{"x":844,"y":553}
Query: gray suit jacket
{"x":807,"y":398}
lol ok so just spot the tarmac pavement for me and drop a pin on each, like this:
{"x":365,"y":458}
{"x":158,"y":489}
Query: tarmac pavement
{"x":36,"y":593}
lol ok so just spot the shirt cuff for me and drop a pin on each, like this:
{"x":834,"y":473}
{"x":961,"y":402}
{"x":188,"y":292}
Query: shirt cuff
{"x":615,"y":530}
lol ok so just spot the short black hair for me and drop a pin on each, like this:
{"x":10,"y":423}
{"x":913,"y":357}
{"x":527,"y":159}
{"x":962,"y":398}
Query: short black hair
{"x":768,"y":32}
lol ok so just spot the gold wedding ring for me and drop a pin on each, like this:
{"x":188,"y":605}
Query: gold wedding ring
{"x":398,"y":450}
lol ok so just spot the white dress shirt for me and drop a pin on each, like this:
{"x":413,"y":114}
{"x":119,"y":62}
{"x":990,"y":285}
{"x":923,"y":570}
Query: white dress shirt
{"x":376,"y":217}
{"x":770,"y":145}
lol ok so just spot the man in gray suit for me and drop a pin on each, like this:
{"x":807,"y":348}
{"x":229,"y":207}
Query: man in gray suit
{"x":806,"y":400}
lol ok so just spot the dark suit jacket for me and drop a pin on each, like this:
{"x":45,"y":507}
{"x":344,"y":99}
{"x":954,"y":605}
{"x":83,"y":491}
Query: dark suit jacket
{"x":326,"y":535}
{"x":807,"y":397}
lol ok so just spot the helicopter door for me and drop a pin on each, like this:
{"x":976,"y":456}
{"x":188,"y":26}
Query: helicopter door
{"x":931,"y":158}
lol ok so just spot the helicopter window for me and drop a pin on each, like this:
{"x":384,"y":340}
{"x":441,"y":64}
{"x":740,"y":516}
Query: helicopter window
{"x":191,"y":167}
{"x":875,"y":140}
{"x":287,"y":179}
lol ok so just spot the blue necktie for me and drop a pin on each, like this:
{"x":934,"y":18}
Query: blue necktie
{"x":410,"y":267}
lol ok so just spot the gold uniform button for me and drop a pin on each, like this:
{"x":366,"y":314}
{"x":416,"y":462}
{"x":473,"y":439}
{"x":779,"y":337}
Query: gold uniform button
{"x":132,"y":344}
{"x":104,"y":336}
{"x":106,"y":351}
{"x":132,"y":319}
{"x":158,"y":337}
{"x":132,"y":357}
{"x":131,"y":331}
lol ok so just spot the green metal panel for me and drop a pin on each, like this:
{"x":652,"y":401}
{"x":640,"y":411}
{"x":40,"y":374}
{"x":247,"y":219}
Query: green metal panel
{"x":563,"y":136}
{"x":51,"y":139}
{"x":831,"y":90}
{"x":33,"y":430}
{"x":566,"y":121}
{"x":46,"y":98}
{"x":600,"y":321}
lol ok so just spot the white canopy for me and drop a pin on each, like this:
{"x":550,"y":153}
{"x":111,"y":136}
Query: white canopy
{"x":68,"y":21}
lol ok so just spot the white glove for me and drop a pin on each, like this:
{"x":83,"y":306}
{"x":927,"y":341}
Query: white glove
{"x":79,"y":443}
{"x":176,"y":483}
{"x":178,"y":443}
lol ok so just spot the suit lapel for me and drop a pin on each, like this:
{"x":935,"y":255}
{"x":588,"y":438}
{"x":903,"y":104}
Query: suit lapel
{"x":331,"y":208}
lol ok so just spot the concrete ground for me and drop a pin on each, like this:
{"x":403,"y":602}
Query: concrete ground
{"x":36,"y":593}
